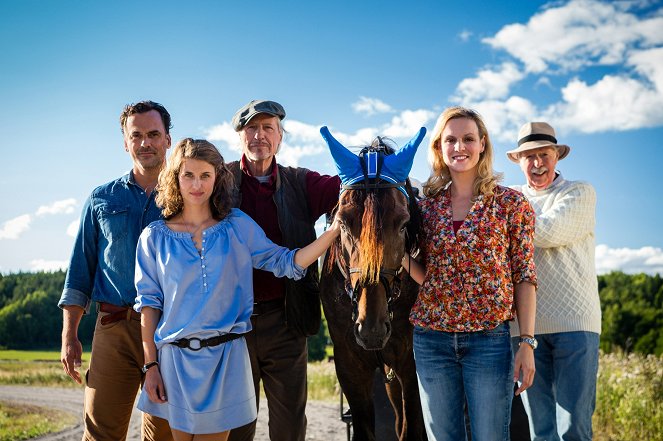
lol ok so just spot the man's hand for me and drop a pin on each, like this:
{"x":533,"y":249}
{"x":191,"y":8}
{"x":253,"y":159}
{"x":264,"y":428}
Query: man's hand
{"x":70,"y":356}
{"x":72,"y":350}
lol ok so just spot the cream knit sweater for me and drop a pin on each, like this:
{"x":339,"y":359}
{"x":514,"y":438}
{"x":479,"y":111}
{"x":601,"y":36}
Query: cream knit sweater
{"x":567,"y":297}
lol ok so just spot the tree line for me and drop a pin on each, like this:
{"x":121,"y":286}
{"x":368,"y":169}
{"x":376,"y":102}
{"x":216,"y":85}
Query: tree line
{"x":632,"y":307}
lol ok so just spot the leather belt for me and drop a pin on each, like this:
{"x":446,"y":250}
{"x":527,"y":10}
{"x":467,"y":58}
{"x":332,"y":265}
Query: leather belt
{"x":117,"y":313}
{"x":196,"y":344}
{"x":265,"y":307}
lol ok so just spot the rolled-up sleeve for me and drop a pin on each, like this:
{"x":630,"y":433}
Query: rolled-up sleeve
{"x":79,"y":283}
{"x":148,"y":287}
{"x":521,"y":242}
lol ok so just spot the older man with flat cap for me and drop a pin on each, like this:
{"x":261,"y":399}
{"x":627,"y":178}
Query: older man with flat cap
{"x":286,"y":202}
{"x":561,"y":401}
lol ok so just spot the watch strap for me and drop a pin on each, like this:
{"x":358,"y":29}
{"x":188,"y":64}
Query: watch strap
{"x":147,"y":366}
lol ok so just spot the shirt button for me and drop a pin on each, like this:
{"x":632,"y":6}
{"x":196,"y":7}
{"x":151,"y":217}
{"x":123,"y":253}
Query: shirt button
{"x":204,"y":275}
{"x":203,"y":266}
{"x":204,"y":284}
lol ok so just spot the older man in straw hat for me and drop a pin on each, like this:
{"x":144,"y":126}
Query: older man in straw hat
{"x":561,"y":401}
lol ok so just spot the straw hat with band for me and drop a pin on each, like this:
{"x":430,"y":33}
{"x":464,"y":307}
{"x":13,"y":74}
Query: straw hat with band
{"x":535,"y":135}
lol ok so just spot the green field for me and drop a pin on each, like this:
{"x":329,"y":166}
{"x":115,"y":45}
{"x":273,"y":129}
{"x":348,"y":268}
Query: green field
{"x":629,"y":404}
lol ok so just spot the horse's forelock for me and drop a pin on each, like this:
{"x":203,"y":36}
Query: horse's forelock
{"x":371,"y":242}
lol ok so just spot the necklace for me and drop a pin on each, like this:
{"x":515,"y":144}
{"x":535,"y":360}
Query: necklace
{"x":193,"y":233}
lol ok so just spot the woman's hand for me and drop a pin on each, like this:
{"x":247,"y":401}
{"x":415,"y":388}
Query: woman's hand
{"x":154,"y":385}
{"x":524,"y":368}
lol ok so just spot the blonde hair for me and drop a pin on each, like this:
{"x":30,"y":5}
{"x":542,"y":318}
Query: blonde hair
{"x":169,"y":197}
{"x":486,"y":179}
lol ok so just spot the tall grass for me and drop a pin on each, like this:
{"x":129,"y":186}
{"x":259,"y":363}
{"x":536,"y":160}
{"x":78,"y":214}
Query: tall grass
{"x":629,"y":402}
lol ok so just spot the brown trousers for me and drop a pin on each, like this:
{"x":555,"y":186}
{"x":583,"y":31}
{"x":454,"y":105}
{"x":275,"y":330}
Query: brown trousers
{"x":112,"y":381}
{"x":278,"y":358}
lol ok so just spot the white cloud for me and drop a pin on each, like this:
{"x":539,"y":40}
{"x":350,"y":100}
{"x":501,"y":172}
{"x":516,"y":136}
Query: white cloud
{"x":13,"y":228}
{"x":48,"y":265}
{"x":371,"y":106}
{"x":612,"y":103}
{"x":568,"y":39}
{"x":629,"y":260}
{"x":65,"y":206}
{"x":490,"y":83}
{"x":465,"y":35}
{"x":407,"y":123}
{"x":224,"y":132}
{"x":504,"y":118}
{"x":299,"y":131}
{"x":72,"y":228}
{"x":578,"y":34}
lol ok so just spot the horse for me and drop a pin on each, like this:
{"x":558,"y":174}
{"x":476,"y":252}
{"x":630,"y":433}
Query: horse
{"x":365,"y":294}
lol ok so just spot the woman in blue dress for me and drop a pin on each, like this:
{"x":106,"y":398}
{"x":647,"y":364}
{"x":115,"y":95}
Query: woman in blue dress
{"x":195,"y":294}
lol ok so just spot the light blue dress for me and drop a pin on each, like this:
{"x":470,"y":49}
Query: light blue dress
{"x":204,"y":295}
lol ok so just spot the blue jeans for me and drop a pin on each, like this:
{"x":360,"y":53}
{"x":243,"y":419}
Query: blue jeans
{"x":561,"y":401}
{"x":453,"y":367}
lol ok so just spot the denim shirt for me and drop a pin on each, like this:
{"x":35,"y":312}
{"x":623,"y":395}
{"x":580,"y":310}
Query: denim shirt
{"x":102,"y":262}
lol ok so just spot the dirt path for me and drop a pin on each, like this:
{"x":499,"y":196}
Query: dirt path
{"x":323,"y":422}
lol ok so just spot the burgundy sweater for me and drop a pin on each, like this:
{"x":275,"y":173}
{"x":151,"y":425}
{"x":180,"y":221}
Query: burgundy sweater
{"x":257,"y":202}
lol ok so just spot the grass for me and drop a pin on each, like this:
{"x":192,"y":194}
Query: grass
{"x":35,"y":368}
{"x":629,"y":403}
{"x":22,"y":422}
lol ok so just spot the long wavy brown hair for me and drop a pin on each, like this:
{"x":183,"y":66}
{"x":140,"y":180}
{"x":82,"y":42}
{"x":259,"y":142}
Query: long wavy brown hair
{"x":169,"y":197}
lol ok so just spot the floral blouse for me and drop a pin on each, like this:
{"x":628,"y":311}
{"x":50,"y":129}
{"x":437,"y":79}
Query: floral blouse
{"x":471,"y":274}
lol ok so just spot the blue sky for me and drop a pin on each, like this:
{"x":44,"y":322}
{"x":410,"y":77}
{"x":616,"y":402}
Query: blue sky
{"x":593,"y":69}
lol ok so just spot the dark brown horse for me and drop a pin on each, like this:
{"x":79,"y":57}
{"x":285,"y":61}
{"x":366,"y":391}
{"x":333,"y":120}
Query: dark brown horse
{"x":367,"y":299}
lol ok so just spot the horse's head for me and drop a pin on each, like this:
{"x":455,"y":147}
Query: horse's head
{"x":375,"y":211}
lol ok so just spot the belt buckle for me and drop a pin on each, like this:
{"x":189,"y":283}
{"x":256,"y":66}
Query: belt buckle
{"x":199,"y":345}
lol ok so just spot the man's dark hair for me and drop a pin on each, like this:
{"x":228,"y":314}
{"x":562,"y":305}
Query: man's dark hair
{"x":144,"y":107}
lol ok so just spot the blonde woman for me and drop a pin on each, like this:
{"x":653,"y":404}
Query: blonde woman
{"x":195,"y":296}
{"x":477,"y":272}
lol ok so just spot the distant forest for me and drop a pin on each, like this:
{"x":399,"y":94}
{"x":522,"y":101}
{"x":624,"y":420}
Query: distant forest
{"x":632,"y":308}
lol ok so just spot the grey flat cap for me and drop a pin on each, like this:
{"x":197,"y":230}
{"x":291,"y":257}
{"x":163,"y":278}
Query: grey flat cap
{"x":253,"y":108}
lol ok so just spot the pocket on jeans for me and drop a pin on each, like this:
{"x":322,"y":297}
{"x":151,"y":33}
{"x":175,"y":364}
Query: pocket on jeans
{"x":500,"y":331}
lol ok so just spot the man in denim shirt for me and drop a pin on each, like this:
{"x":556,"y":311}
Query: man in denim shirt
{"x":101,"y":269}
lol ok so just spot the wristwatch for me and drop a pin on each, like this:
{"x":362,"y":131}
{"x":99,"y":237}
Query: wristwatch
{"x":529,"y":340}
{"x":147,"y":366}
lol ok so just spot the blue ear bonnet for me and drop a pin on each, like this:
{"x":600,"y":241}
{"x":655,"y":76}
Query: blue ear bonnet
{"x":373,"y":163}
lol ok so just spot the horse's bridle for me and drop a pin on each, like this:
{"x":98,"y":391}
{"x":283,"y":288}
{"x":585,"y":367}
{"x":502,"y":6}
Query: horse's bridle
{"x":392,"y":290}
{"x":369,"y":185}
